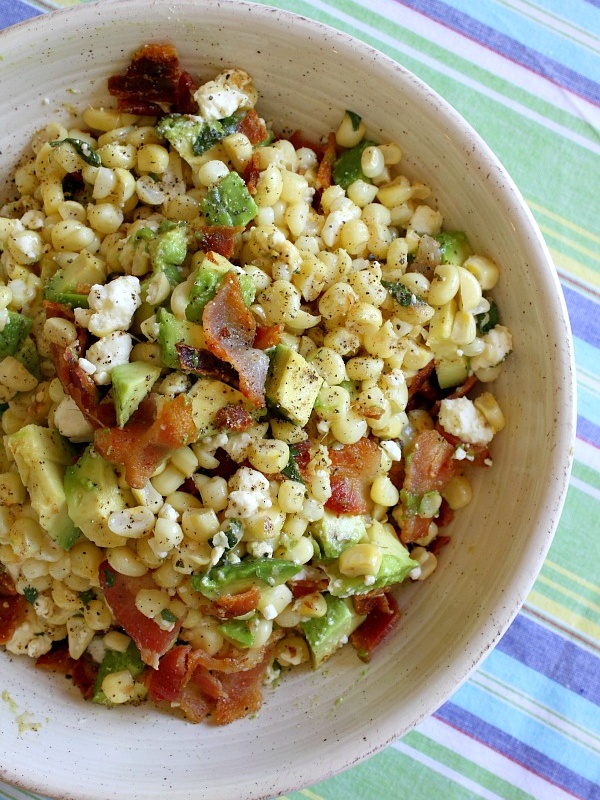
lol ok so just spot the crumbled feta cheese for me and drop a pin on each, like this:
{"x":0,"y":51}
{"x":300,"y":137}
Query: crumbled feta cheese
{"x":87,"y":366}
{"x":249,"y":493}
{"x":71,"y":423}
{"x":260,"y":549}
{"x":107,"y":353}
{"x":231,"y":91}
{"x":498,"y":344}
{"x":112,"y":305}
{"x":238,"y":444}
{"x":459,"y":417}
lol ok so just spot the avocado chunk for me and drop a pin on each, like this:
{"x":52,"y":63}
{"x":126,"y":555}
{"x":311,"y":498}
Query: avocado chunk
{"x":452,"y":371}
{"x":71,"y":285}
{"x":130,"y":384}
{"x":27,"y":354}
{"x":173,"y":331}
{"x":336,"y":533}
{"x":192,"y":136}
{"x":235,"y":578}
{"x":347,"y":168}
{"x":208,"y":396}
{"x":114,"y":661}
{"x":15,"y":331}
{"x":396,"y":564}
{"x":229,"y":203}
{"x":292,"y":385}
{"x":238,"y":632}
{"x":92,"y":490}
{"x":41,"y":455}
{"x":455,"y":247}
{"x":324,"y":635}
{"x":207,"y":282}
{"x":168,"y":250}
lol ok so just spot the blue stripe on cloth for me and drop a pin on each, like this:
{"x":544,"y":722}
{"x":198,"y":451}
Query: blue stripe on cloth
{"x":17,"y":12}
{"x":583,"y":314}
{"x":509,"y":745}
{"x":579,"y":12}
{"x":588,"y":432}
{"x":509,"y":47}
{"x":558,"y":659}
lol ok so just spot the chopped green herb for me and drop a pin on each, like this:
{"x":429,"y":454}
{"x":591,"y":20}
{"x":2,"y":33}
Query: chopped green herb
{"x":291,"y":470}
{"x":355,"y":119}
{"x":82,"y":148}
{"x":213,"y":132}
{"x":87,"y":596}
{"x":489,"y":319}
{"x":30,"y":594}
{"x":168,"y":616}
{"x":109,"y":576}
{"x":401,"y":293}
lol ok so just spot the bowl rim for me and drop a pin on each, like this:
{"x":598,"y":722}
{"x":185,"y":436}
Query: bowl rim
{"x":490,"y":630}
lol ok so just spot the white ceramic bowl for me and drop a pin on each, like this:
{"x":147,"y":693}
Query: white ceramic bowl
{"x":307,"y":75}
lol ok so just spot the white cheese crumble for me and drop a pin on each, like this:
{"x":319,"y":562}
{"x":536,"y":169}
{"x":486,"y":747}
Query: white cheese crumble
{"x":392,"y":449}
{"x":459,"y":417}
{"x":107,"y":353}
{"x":249,"y":493}
{"x":231,"y":91}
{"x":111,"y":307}
{"x":498,"y":344}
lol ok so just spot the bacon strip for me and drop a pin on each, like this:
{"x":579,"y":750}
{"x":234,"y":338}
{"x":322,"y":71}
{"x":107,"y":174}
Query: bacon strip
{"x":149,"y":437}
{"x":120,"y":592}
{"x":381,"y":620}
{"x":252,"y":126}
{"x":82,"y":671}
{"x":429,"y":467}
{"x":219,"y":239}
{"x":229,"y":329}
{"x":152,"y":77}
{"x":13,"y":607}
{"x":196,"y":683}
{"x":325,"y":170}
{"x":353,"y":470}
{"x":234,"y":418}
{"x":202,"y":362}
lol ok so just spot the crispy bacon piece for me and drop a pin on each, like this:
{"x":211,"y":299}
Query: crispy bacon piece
{"x":54,"y":309}
{"x":184,"y":102}
{"x":148,"y":438}
{"x":479,"y":454}
{"x":438,"y":544}
{"x":120,"y":592}
{"x":365,"y":603}
{"x":252,"y":126}
{"x":429,"y":466}
{"x":252,"y":173}
{"x":13,"y":607}
{"x":236,"y":605}
{"x":204,"y":363}
{"x":234,"y":418}
{"x":304,"y":586}
{"x":325,"y":171}
{"x":229,"y":330}
{"x":380,"y":622}
{"x":82,"y":671}
{"x":152,"y":77}
{"x":197,"y":684}
{"x":268,"y":336}
{"x":219,"y":239}
{"x":353,"y":470}
{"x":299,"y":140}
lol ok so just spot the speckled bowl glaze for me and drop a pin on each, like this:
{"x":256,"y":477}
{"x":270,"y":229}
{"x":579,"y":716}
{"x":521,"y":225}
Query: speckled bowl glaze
{"x":313,"y":724}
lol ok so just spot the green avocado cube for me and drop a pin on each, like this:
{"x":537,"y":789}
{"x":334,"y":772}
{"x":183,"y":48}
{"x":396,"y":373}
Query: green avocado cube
{"x":335,"y":533}
{"x":235,"y":578}
{"x":324,"y":635}
{"x":229,"y":203}
{"x":130,"y":384}
{"x":41,"y":455}
{"x":15,"y":331}
{"x":455,"y":247}
{"x":292,"y":385}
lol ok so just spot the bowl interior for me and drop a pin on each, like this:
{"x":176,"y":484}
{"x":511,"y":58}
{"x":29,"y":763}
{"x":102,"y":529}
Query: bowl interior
{"x":313,"y":725}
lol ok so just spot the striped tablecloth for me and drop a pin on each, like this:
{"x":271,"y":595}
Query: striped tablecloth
{"x":526,"y":75}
